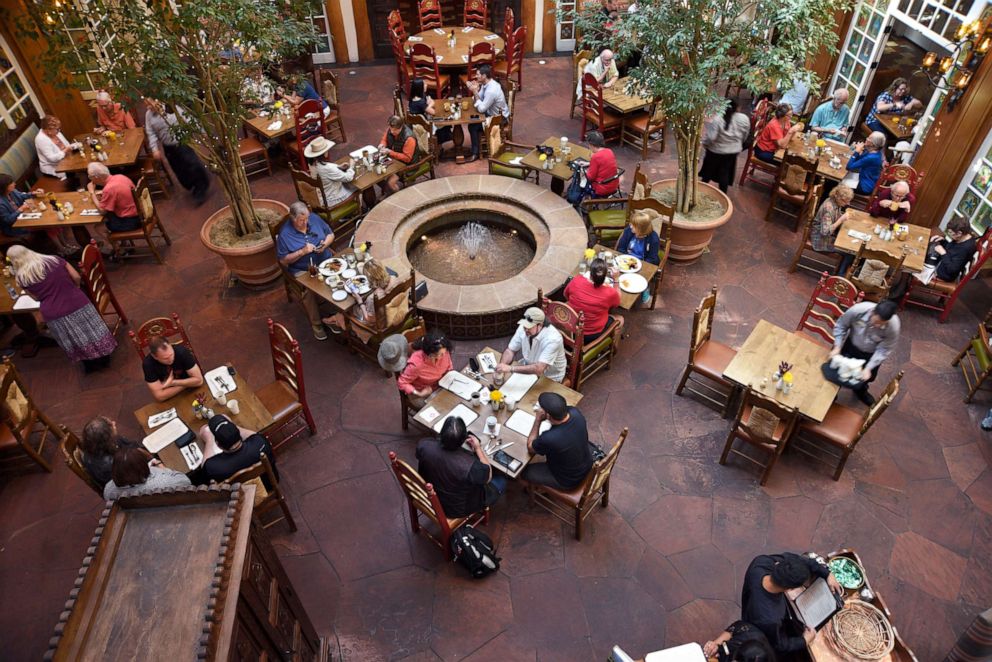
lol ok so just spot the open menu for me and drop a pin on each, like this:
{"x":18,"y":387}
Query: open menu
{"x":817,"y":604}
{"x":165,"y":435}
{"x":459,"y":384}
{"x":460,"y":410}
{"x":521,"y":422}
{"x":517,"y":385}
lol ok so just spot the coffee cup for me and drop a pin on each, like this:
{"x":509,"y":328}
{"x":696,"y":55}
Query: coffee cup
{"x":491,"y":423}
{"x":476,"y":400}
{"x":511,"y":404}
{"x":222,"y":399}
{"x":234,"y":407}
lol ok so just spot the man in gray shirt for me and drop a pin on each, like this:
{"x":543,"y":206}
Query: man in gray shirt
{"x":489,"y":101}
{"x":867,"y":331}
{"x":182,"y":159}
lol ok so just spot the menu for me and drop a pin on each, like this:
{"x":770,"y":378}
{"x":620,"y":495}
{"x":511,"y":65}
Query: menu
{"x":817,"y":604}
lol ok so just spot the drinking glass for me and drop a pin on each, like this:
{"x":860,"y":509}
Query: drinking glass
{"x":582,"y":267}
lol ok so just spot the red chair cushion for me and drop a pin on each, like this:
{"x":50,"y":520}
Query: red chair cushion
{"x":279,"y":399}
{"x":712,"y":358}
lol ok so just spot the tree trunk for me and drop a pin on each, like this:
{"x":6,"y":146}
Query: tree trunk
{"x":687,"y":136}
{"x":225,"y":161}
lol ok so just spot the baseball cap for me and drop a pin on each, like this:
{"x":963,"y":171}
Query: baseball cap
{"x":532,"y":317}
{"x":225,"y":432}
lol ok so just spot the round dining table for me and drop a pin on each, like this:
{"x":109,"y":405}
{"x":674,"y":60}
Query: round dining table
{"x":457,"y":55}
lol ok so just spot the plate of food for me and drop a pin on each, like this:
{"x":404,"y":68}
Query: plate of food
{"x":633,"y":283}
{"x":362,"y":283}
{"x":348,"y":274}
{"x":331,"y":266}
{"x":339,"y":295}
{"x":627,"y":264}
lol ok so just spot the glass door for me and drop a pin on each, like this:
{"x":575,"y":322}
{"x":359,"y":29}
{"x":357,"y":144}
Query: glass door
{"x":565,"y":31}
{"x":862,"y":50}
{"x":323,"y":52}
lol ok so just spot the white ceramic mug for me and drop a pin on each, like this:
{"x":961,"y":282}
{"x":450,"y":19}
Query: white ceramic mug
{"x":233,"y":406}
{"x":511,"y":404}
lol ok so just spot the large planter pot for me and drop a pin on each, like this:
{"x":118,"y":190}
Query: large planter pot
{"x":255,"y":264}
{"x":690,"y":239}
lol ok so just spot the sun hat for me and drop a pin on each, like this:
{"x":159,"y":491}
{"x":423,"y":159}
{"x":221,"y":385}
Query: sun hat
{"x":317,"y":146}
{"x":392,"y":353}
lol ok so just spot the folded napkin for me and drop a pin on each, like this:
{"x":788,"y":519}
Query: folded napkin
{"x":414,"y":38}
{"x":275,"y":126}
{"x":467,"y":28}
{"x":90,"y":212}
{"x":439,"y":57}
{"x":516,"y":161}
{"x":464,"y":58}
{"x":490,"y":37}
{"x":438,"y":31}
{"x":29,"y":216}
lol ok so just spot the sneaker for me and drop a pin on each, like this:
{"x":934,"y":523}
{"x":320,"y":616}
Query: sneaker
{"x":319,"y":333}
{"x":864,"y":396}
{"x":645,"y":296}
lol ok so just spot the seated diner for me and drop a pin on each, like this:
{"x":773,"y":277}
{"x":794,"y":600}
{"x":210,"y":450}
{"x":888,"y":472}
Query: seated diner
{"x":776,"y":134}
{"x":565,"y":447}
{"x":136,"y":472}
{"x":894,"y":203}
{"x":111,"y":116}
{"x":541,"y":347}
{"x":230,"y":448}
{"x":593,"y":297}
{"x":430,"y":361}
{"x":305,"y":239}
{"x":865,"y":165}
{"x":169,"y":369}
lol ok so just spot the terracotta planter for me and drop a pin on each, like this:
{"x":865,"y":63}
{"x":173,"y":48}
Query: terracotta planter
{"x":255,"y":265}
{"x":690,"y":239}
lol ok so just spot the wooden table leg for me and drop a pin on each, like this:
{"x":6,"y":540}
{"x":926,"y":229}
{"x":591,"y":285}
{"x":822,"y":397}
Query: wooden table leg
{"x":458,"y":137}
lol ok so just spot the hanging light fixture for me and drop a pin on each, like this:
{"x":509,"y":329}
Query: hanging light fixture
{"x":954,"y":72}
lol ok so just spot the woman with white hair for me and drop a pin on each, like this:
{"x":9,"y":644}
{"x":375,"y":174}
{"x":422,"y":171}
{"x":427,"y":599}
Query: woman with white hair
{"x":77,"y":326}
{"x":865,"y":165}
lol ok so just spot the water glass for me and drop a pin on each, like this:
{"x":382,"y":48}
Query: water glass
{"x":222,"y":399}
{"x":511,"y":404}
{"x":582,"y":267}
{"x":233,"y":406}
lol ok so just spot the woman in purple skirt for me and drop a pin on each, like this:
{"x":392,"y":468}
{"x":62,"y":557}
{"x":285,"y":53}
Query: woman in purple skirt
{"x":77,"y":326}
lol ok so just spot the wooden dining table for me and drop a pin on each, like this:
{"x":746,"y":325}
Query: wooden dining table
{"x":759,"y":357}
{"x":121,"y":153}
{"x":617,"y":98}
{"x":260,"y":125}
{"x":914,"y":247}
{"x":443,"y":401}
{"x":823,"y":169}
{"x":895,"y":125}
{"x":79,"y":224}
{"x":319,"y":286}
{"x":252,"y":415}
{"x":561,"y":172}
{"x":648,"y":270}
{"x":457,"y":55}
{"x":445,"y":117}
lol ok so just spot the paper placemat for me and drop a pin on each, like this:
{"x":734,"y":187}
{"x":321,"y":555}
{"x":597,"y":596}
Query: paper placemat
{"x":220,"y":381}
{"x":459,"y":384}
{"x":359,"y":153}
{"x":90,"y":212}
{"x":517,"y":385}
{"x":863,"y":236}
{"x":429,"y":414}
{"x":165,"y":435}
{"x":26,"y":302}
{"x":487,"y":361}
{"x":460,"y":410}
{"x":415,"y":39}
{"x":29,"y":216}
{"x":522,"y":421}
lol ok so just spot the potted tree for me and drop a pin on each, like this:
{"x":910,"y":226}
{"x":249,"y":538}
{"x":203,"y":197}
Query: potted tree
{"x":688,"y":50}
{"x":193,"y":56}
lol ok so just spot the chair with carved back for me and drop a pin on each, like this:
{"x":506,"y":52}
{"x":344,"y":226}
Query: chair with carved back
{"x":404,"y":70}
{"x":891,"y":173}
{"x":806,"y":256}
{"x":831,"y":297}
{"x":294,"y":290}
{"x":268,"y":494}
{"x":24,"y":428}
{"x":833,"y":440}
{"x":764,"y":425}
{"x":509,"y":25}
{"x":123,"y":243}
{"x":941,"y":295}
{"x":608,"y":216}
{"x":73,"y":456}
{"x":154,"y":172}
{"x":662,"y":220}
{"x":309,"y":122}
{"x":429,"y":12}
{"x":170,"y":328}
{"x":342,"y":218}
{"x":708,"y":359}
{"x":644,"y":130}
{"x":329,"y":88}
{"x":423,"y":61}
{"x":580,"y":59}
{"x":511,"y":104}
{"x":476,"y":14}
{"x":574,"y":506}
{"x":583,"y":360}
{"x":411,"y":335}
{"x":428,"y":149}
{"x":395,"y":25}
{"x":595,"y":115}
{"x":502,"y":152}
{"x":423,"y":501}
{"x":513,"y":65}
{"x":975,"y":358}
{"x":394,"y":312}
{"x":286,"y":396}
{"x":94,"y":281}
{"x":753,"y":164}
{"x":482,"y":52}
{"x":874,"y":272}
{"x":794,"y":184}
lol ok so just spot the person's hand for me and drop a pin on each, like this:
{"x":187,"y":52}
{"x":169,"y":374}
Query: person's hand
{"x":934,"y":238}
{"x":835,"y":585}
{"x":614,"y":273}
{"x":865,"y":374}
{"x":834,"y":352}
{"x":809,"y":634}
{"x":473,"y":441}
{"x":155,"y":462}
{"x":905,"y":205}
{"x":308,"y":248}
{"x":169,"y":379}
{"x":91,"y":187}
{"x":898,"y":106}
{"x":609,"y":83}
{"x":423,"y":393}
{"x":503,"y":367}
{"x":887,"y":204}
{"x":859,"y":147}
{"x":540,"y":415}
{"x":939,"y":250}
{"x":344,"y":166}
{"x":38,"y":192}
{"x":710,"y":648}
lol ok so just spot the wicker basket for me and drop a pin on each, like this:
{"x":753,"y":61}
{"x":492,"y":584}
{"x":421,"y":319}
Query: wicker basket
{"x":862,"y":632}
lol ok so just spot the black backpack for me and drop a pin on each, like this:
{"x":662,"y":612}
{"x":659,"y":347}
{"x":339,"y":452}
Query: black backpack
{"x":474,"y":550}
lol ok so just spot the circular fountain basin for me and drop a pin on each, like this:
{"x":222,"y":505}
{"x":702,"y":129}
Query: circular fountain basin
{"x":541,"y":239}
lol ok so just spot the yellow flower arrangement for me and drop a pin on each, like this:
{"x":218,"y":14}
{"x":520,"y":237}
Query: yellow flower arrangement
{"x":495,"y":396}
{"x":821,"y":143}
{"x":111,"y":134}
{"x":590,"y":254}
{"x":97,"y":148}
{"x":196,"y":403}
{"x":277,"y":105}
{"x":787,"y":378}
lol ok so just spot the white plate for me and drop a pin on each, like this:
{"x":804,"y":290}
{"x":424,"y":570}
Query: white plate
{"x":331,"y":284}
{"x":348,"y":273}
{"x":325,"y":267}
{"x":339,"y":295}
{"x":622,"y":260}
{"x":633,"y":283}
{"x":362,"y":283}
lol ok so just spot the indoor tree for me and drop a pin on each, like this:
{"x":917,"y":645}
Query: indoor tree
{"x":190,"y":55}
{"x":690,"y":48}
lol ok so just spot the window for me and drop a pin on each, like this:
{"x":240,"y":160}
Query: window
{"x":939,"y":19}
{"x":91,"y":42}
{"x":323,"y":52}
{"x":974,"y":197}
{"x":16,"y":98}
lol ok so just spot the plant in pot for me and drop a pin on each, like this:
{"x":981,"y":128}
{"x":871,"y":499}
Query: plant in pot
{"x":687,"y":51}
{"x":194,"y":57}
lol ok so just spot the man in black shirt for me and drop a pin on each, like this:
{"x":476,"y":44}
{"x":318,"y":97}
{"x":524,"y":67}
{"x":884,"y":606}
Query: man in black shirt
{"x":464,"y":484}
{"x":953,"y":253}
{"x":763,"y":601}
{"x":565,"y":446}
{"x":240,"y":448}
{"x":169,"y":369}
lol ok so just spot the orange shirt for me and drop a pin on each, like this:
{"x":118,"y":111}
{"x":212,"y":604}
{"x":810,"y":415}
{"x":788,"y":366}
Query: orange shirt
{"x":421,"y":372}
{"x":114,"y":119}
{"x":117,"y":197}
{"x":409,"y":148}
{"x":774,"y":131}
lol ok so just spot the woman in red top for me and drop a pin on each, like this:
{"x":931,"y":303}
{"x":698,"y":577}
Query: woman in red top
{"x":602,"y":166}
{"x":425,"y":367}
{"x":594,"y":298}
{"x":776,"y":134}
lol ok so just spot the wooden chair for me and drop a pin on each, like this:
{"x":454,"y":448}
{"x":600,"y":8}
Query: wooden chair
{"x":395,"y":312}
{"x":875,"y":288}
{"x":342,"y":218}
{"x":584,"y":361}
{"x":579,"y":61}
{"x":501,"y":152}
{"x":423,"y":501}
{"x":395,"y":25}
{"x":169,"y":328}
{"x":511,"y":104}
{"x":607,"y":217}
{"x":482,"y":52}
{"x":429,"y":12}
{"x":639,"y":130}
{"x":476,"y":14}
{"x":73,"y":456}
{"x":708,"y":359}
{"x":891,"y":173}
{"x":764,"y":425}
{"x":831,"y":297}
{"x":295,"y":291}
{"x":574,"y":506}
{"x":329,"y":86}
{"x":513,"y":65}
{"x":309,"y":119}
{"x":150,"y":226}
{"x":753,"y":164}
{"x":508,"y":25}
{"x":815,"y":261}
{"x":285,"y":397}
{"x":941,"y":295}
{"x":794,"y":184}
{"x":664,"y":248}
{"x":254,"y":156}
{"x":266,"y":498}
{"x":94,"y":281}
{"x":423,"y":61}
{"x":833,"y":440}
{"x":153,"y":171}
{"x":24,"y":428}
{"x":407,"y":408}
{"x":404,"y":70}
{"x":594,"y":112}
{"x":975,"y":358}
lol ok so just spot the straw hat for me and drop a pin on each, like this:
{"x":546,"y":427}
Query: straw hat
{"x":317,"y":146}
{"x":392,"y":353}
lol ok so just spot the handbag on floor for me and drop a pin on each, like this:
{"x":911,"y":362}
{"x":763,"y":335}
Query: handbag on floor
{"x":474,"y":550}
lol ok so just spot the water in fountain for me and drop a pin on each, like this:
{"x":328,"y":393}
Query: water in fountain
{"x":473,"y":235}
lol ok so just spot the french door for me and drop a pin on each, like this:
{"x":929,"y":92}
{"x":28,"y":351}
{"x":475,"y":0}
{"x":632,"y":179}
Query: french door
{"x":862,"y":50}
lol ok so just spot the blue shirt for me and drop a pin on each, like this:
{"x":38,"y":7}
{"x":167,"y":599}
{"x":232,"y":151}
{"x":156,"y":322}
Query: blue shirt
{"x":291,"y":240}
{"x":9,"y":212}
{"x":648,"y":246}
{"x":305,"y":90}
{"x":868,"y":165}
{"x":826,"y":117}
{"x":796,"y":97}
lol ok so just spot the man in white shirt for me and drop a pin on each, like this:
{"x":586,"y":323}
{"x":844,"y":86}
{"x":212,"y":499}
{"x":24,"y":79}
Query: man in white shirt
{"x":603,"y":68}
{"x":540,"y":345}
{"x":332,"y":176}
{"x":52,"y":146}
{"x":489,"y":101}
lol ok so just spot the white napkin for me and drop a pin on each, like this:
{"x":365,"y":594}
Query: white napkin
{"x":26,"y":302}
{"x":414,"y":38}
{"x":863,"y":236}
{"x":490,"y":37}
{"x":158,"y":419}
{"x":438,"y":31}
{"x":275,"y":126}
{"x":464,"y":58}
{"x":29,"y":216}
{"x":439,"y":57}
{"x":219,"y":380}
{"x":467,"y":28}
{"x":516,"y":161}
{"x":90,"y":212}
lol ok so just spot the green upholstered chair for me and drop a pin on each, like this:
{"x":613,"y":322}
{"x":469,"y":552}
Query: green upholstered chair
{"x":342,"y":217}
{"x":502,"y":152}
{"x":584,"y":360}
{"x":608,"y":216}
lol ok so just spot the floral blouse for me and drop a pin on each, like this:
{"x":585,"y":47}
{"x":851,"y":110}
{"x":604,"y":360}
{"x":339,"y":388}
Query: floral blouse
{"x":820,"y":234}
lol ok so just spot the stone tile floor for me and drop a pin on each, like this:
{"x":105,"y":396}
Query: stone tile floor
{"x":661,"y":566}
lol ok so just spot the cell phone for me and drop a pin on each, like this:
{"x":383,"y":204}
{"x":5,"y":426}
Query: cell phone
{"x":509,"y":462}
{"x":473,"y":363}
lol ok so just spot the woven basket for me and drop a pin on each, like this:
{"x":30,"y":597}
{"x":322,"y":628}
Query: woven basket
{"x":862,"y":632}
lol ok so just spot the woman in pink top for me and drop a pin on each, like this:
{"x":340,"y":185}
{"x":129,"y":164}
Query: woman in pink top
{"x":428,"y":363}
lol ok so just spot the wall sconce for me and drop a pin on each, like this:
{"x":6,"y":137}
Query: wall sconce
{"x":955,"y":71}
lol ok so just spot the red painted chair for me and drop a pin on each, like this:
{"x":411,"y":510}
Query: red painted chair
{"x":309,"y":118}
{"x":329,"y":86}
{"x":97,"y":286}
{"x":424,"y":62}
{"x":481,"y":53}
{"x":513,"y":65}
{"x":404,"y":70}
{"x":584,"y":360}
{"x":891,"y":173}
{"x":832,"y":296}
{"x":508,"y":24}
{"x":285,"y":397}
{"x":430,"y":14}
{"x":476,"y":14}
{"x":169,"y":328}
{"x":395,"y":24}
{"x":754,"y":164}
{"x":941,"y":295}
{"x":594,"y":113}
